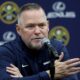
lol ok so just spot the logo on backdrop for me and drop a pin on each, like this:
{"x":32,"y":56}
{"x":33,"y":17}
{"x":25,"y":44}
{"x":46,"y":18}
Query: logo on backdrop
{"x":60,"y":33}
{"x":8,"y":12}
{"x":8,"y":36}
{"x":59,"y":6}
{"x":59,"y":11}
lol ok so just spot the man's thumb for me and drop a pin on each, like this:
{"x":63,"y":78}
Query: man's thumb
{"x":61,"y":56}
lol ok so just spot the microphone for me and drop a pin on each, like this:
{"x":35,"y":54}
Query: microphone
{"x":46,"y":42}
{"x":53,"y":53}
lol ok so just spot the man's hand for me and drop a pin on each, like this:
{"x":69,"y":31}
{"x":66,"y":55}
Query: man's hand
{"x":66,"y":68}
{"x":14,"y":71}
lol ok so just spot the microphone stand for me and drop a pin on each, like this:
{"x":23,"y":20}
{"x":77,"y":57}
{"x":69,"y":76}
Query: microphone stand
{"x":53,"y":56}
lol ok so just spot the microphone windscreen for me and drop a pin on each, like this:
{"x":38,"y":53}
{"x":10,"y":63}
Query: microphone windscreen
{"x":45,"y":41}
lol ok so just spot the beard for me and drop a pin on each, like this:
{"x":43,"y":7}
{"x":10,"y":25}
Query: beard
{"x":36,"y":46}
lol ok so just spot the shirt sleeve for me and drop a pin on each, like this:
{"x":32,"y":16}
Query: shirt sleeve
{"x":6,"y":58}
{"x":40,"y":76}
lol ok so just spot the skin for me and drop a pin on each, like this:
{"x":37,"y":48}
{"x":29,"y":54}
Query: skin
{"x":32,"y":28}
{"x":66,"y":68}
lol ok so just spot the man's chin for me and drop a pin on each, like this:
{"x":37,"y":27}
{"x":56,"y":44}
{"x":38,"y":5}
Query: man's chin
{"x":37,"y":47}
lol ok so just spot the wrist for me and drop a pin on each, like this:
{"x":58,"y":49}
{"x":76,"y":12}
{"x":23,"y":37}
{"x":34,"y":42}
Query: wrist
{"x":48,"y":72}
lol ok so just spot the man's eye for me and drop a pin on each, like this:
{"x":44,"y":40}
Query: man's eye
{"x":42,"y":25}
{"x":29,"y":26}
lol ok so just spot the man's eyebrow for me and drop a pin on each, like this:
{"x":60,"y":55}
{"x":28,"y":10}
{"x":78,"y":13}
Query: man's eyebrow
{"x":36,"y":23}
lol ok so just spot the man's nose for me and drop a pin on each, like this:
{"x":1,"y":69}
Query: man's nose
{"x":37,"y":30}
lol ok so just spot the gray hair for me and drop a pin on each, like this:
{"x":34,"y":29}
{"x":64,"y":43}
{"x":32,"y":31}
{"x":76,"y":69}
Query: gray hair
{"x":26,"y":7}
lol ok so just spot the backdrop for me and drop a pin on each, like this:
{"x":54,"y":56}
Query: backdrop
{"x":63,"y":15}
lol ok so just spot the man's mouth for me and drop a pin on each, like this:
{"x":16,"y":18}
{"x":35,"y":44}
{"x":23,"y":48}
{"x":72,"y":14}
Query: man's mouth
{"x":37,"y":39}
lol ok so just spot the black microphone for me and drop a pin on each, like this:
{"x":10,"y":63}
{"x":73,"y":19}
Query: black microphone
{"x":53,"y":53}
{"x":46,"y":43}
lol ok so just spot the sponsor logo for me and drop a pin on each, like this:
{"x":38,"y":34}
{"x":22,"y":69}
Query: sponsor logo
{"x":59,"y":11}
{"x":59,"y":6}
{"x":9,"y":35}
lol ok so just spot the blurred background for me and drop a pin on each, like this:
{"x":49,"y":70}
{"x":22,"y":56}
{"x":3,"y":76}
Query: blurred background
{"x":63,"y":16}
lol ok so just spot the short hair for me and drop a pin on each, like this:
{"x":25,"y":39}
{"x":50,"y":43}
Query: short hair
{"x":28,"y":6}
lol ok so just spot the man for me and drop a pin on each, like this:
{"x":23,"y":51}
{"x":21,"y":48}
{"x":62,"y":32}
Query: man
{"x":26,"y":58}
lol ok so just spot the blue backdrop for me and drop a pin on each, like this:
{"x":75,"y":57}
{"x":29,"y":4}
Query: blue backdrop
{"x":63,"y":15}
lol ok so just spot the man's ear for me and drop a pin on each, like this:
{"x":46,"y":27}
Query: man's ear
{"x":48,"y":24}
{"x":18,"y":29}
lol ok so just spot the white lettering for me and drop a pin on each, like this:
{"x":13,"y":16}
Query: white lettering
{"x":61,"y":15}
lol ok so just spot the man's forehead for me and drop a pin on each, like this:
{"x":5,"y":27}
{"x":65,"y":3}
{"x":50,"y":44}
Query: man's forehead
{"x":32,"y":13}
{"x":33,"y":16}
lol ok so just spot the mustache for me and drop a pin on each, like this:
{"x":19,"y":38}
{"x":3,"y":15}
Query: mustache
{"x":37,"y":38}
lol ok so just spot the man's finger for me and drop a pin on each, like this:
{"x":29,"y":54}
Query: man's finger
{"x":73,"y":69}
{"x":70,"y":61}
{"x":12,"y":65}
{"x":61,"y":56}
{"x":9,"y":71}
{"x":74,"y":72}
{"x":10,"y":68}
{"x":14,"y":76}
{"x":74,"y":64}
